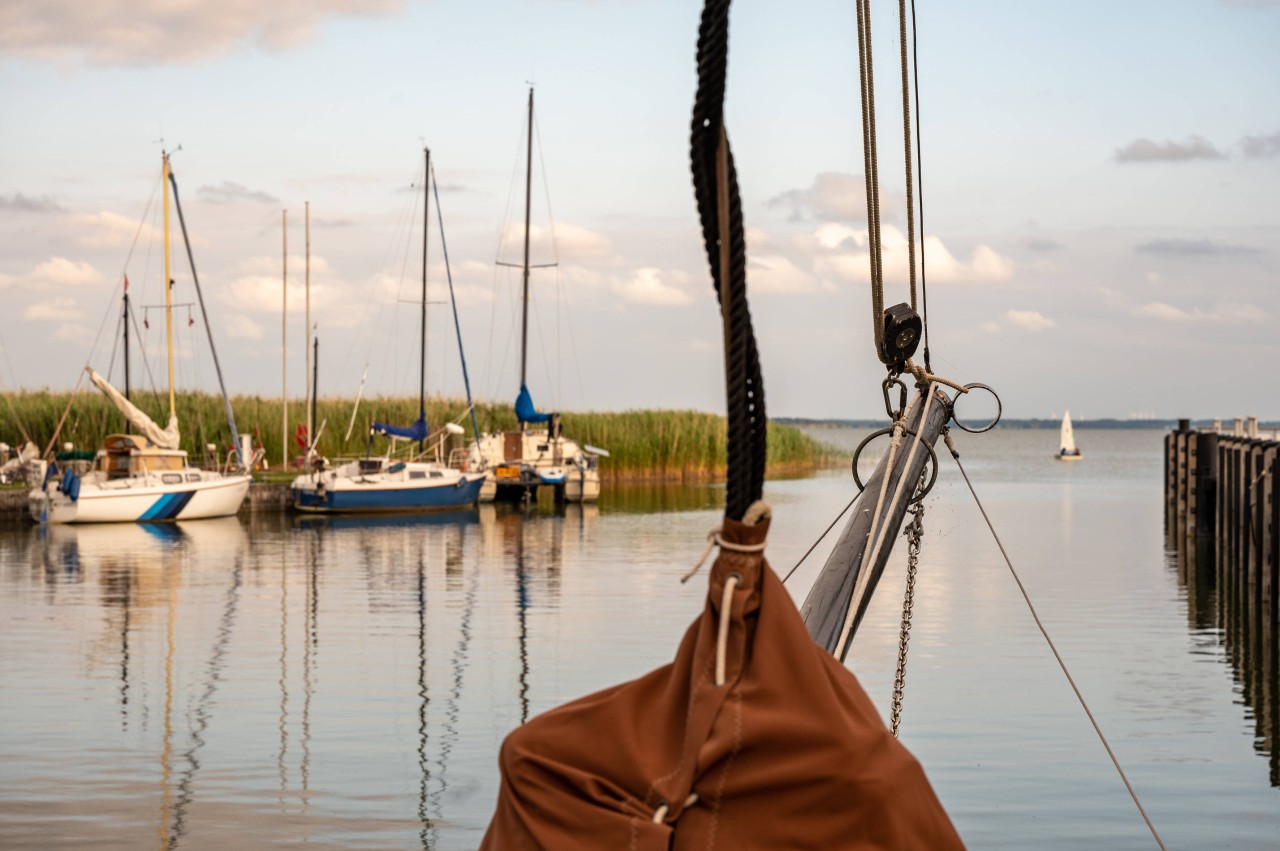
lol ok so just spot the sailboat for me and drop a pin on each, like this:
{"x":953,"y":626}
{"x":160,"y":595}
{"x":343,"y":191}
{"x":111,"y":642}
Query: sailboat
{"x":519,"y":462}
{"x":1067,"y":449}
{"x":372,"y":484}
{"x":143,"y":477}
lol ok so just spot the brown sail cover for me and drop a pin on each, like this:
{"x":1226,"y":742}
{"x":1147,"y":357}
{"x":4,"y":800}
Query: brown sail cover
{"x":788,"y":753}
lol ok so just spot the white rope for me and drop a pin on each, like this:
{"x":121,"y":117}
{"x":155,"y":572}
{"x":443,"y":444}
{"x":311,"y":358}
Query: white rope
{"x":660,"y":814}
{"x":877,"y":533}
{"x":722,"y":634}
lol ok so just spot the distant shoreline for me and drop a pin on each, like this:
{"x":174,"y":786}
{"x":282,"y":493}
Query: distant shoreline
{"x":1035,"y":423}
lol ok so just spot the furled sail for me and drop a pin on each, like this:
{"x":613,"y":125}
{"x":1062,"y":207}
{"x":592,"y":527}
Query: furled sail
{"x":418,"y":431}
{"x":525,"y":411}
{"x":165,"y":438}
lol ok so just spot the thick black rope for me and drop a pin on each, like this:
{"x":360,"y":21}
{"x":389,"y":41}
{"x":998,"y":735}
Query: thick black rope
{"x":744,"y":386}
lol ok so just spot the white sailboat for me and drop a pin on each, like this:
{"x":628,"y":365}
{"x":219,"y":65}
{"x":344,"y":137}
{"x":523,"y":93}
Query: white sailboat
{"x":376,"y":484}
{"x":1067,"y":449}
{"x":142,"y":477}
{"x":519,"y":462}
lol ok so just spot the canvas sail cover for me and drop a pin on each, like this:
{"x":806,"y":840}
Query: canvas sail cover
{"x":418,"y":431}
{"x":788,"y":753}
{"x":165,"y":438}
{"x":525,"y":411}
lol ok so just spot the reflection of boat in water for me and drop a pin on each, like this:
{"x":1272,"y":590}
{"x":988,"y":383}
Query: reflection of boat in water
{"x":1067,"y":449}
{"x":407,"y":521}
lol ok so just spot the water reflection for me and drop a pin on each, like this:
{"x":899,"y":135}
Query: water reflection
{"x":1226,"y":608}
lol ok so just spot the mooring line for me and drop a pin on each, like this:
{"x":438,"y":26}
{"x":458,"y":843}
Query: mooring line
{"x":956,"y":455}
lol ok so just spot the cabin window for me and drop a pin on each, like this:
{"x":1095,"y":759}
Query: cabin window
{"x":543,"y":447}
{"x":171,"y":478}
{"x":370,"y":465}
{"x":417,"y":474}
{"x":193,"y":477}
{"x":436,"y":474}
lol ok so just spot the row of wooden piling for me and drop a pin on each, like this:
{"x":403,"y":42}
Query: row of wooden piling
{"x":1224,"y":484}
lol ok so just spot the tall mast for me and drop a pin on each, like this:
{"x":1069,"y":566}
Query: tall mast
{"x":168,"y":288}
{"x":422,"y":351}
{"x":524,"y":303}
{"x":310,"y":390}
{"x":284,"y":341}
{"x":125,"y":319}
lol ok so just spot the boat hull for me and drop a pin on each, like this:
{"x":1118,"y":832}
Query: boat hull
{"x":383,"y":494}
{"x":143,"y":499}
{"x":1069,"y":457}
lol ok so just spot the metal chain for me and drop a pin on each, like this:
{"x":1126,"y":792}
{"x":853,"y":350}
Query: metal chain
{"x":914,"y":533}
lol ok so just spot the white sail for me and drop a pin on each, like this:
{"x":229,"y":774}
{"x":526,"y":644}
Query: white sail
{"x":166,"y":438}
{"x":1067,"y":439}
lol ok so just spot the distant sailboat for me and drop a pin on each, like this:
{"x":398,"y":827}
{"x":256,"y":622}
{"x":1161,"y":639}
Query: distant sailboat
{"x":372,"y":484}
{"x":1067,"y":449}
{"x":519,"y":462}
{"x":143,"y":477}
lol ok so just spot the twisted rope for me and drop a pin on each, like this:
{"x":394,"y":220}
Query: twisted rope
{"x":715,"y":186}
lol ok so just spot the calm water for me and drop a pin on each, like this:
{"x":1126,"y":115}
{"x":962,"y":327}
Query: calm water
{"x":227,"y":684}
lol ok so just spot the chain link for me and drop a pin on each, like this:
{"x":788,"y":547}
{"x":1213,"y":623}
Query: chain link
{"x":914,"y":533}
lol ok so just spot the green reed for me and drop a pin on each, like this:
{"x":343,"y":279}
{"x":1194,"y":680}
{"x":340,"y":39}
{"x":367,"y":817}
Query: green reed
{"x":656,"y":444}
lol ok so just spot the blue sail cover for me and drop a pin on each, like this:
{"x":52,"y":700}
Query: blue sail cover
{"x":417,"y":431}
{"x":525,"y":412}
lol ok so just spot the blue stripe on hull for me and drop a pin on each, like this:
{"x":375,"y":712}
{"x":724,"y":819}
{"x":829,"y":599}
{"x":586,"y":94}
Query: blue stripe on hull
{"x":168,"y":506}
{"x":435,"y":498}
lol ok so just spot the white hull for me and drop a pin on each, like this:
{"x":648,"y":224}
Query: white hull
{"x":144,"y":498}
{"x":515,"y":462}
{"x":374,"y":485}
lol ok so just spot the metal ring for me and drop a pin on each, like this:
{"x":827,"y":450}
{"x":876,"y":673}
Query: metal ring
{"x":999,"y":410}
{"x":857,"y":453}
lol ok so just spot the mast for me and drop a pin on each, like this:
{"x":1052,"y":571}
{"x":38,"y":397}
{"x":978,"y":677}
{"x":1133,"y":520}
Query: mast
{"x":524,"y":301}
{"x":284,"y":342}
{"x":422,"y":348}
{"x":168,"y":288}
{"x":125,"y":319}
{"x":310,"y":382}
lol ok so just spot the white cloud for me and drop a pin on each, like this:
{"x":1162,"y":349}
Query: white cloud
{"x":70,"y":332}
{"x":836,"y":196}
{"x":54,"y":310}
{"x":841,"y":252}
{"x":111,"y":230}
{"x":1228,"y":313}
{"x":148,"y":32}
{"x":777,"y":275}
{"x":646,"y":286}
{"x":571,"y":242}
{"x":990,"y":327}
{"x":55,"y":273}
{"x":241,"y":327}
{"x":1031,"y":320}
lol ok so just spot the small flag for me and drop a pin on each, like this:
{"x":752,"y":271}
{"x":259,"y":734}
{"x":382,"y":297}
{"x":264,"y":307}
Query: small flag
{"x":126,"y":283}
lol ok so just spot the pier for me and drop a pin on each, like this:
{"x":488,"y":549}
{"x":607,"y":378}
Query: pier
{"x":1223,"y":485}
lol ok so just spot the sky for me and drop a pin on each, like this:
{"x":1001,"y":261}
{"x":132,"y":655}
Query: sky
{"x":1100,"y":183}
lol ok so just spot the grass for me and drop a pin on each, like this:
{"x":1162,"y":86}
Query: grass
{"x":642,"y":444}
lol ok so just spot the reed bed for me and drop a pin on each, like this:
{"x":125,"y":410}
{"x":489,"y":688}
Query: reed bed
{"x":655,"y":444}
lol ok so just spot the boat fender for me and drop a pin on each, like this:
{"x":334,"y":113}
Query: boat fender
{"x":71,"y":485}
{"x":462,"y":481}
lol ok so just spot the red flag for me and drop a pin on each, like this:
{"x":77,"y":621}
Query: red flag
{"x":126,"y":282}
{"x":300,"y":436}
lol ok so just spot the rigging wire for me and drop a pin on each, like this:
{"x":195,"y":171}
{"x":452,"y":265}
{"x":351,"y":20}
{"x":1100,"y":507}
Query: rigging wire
{"x":1044,"y":632}
{"x":924,"y":287}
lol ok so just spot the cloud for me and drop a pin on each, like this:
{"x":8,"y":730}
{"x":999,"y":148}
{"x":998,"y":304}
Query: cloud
{"x":54,"y":310}
{"x":1147,"y":151}
{"x":841,"y":252}
{"x":150,"y":32}
{"x":1194,"y":248}
{"x":22,"y":204}
{"x":547,"y":245}
{"x":111,"y":230}
{"x":646,"y":286}
{"x":55,"y":273}
{"x":1031,"y":320}
{"x":1261,"y":147}
{"x":228,"y":192}
{"x":771,"y":275}
{"x":240,"y":327}
{"x":1226,"y":313}
{"x":834,"y":196}
{"x":1042,"y":244}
